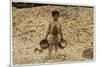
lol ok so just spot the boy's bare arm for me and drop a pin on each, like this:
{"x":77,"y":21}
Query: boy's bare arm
{"x":48,"y":30}
{"x":61,"y":32}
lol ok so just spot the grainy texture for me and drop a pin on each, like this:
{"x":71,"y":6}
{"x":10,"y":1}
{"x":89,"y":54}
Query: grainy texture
{"x":29,"y":27}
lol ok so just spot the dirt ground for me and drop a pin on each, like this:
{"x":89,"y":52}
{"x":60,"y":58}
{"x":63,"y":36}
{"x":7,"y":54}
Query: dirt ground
{"x":29,"y":27}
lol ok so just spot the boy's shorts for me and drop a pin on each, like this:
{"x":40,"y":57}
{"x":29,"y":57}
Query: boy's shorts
{"x":53,"y":39}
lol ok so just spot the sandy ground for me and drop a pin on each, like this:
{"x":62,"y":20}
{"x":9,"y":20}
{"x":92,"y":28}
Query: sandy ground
{"x":29,"y":27}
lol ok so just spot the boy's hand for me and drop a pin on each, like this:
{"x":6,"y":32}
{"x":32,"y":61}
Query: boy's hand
{"x":46,"y":38}
{"x":62,"y":39}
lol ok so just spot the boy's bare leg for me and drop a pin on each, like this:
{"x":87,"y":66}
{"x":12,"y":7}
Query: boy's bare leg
{"x":56,"y":49}
{"x":51,"y":43}
{"x":50,"y":50}
{"x":58,"y":39}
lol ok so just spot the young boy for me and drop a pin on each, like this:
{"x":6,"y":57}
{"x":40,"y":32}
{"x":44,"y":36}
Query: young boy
{"x":54,"y":33}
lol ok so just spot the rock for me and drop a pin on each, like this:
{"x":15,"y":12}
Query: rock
{"x":88,"y":53}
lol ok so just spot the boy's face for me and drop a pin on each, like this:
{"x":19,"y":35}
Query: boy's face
{"x":55,"y":17}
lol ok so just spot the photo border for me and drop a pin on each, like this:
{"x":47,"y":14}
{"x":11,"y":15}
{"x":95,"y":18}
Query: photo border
{"x":60,"y":4}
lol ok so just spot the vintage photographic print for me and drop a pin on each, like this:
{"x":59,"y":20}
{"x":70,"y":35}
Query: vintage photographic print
{"x":51,"y":33}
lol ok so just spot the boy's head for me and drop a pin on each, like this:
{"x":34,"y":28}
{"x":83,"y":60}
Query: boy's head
{"x":55,"y":15}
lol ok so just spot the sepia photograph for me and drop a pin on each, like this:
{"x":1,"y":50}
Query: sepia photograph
{"x":51,"y":33}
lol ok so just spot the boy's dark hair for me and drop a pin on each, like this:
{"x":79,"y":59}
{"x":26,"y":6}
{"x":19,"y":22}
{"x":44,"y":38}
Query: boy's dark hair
{"x":55,"y":12}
